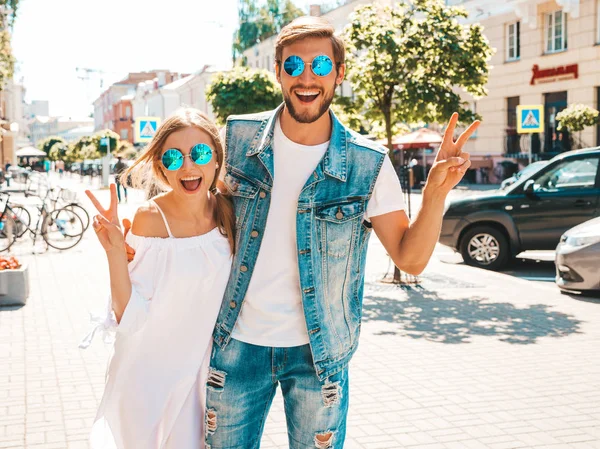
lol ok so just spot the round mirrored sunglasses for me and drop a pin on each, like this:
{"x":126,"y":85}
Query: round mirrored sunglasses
{"x":172,"y":159}
{"x":321,"y":66}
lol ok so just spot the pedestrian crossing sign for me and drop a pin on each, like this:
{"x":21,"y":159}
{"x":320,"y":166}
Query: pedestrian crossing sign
{"x":145,"y":128}
{"x":530,"y":119}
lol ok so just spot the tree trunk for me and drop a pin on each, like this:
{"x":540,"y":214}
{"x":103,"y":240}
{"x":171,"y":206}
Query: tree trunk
{"x":388,"y":131}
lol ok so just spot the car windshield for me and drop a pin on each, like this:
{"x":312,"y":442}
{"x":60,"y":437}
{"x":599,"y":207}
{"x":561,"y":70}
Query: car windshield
{"x":530,"y":169}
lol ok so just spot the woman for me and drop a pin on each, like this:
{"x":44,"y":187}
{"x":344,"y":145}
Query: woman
{"x":164,"y":304}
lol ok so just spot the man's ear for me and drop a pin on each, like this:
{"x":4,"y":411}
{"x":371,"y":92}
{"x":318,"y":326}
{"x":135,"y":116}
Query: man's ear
{"x":340,"y":74}
{"x":278,"y":72}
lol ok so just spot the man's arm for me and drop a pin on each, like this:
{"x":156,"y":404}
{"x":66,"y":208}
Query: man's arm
{"x":411,"y":245}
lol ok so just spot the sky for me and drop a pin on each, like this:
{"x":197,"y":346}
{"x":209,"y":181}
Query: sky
{"x":52,"y":38}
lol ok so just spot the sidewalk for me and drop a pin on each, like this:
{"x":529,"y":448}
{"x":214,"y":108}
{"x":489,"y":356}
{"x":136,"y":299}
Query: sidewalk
{"x":468,"y":359}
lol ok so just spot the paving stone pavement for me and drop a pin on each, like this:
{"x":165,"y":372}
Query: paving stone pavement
{"x":467,"y":359}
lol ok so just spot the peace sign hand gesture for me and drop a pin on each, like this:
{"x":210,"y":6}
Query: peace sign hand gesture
{"x":451,"y":163}
{"x":107,"y":227}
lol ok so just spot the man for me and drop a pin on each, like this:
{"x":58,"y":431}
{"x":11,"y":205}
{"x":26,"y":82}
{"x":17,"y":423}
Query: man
{"x":307,"y":193}
{"x":120,"y":167}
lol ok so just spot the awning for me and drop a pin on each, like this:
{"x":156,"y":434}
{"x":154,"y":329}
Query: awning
{"x":30,"y":152}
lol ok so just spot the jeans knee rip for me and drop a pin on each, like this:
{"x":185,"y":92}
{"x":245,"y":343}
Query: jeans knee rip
{"x":211,"y":422}
{"x":331,"y":393}
{"x":216,"y":379}
{"x":324,"y":440}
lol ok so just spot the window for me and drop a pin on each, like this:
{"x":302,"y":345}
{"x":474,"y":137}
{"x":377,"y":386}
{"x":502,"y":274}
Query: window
{"x":511,"y":112}
{"x":556,"y":32}
{"x":124,"y":134}
{"x":512,"y":138}
{"x":128,"y":112}
{"x":569,"y":175}
{"x":598,"y":21}
{"x":513,"y":41}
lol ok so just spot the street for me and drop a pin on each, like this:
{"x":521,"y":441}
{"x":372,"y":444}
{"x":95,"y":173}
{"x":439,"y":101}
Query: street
{"x":466,"y":358}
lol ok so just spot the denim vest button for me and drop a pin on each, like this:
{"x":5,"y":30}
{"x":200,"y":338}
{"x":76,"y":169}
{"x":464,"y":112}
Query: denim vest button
{"x":339,"y":215}
{"x":243,"y":268}
{"x":232,"y":304}
{"x":254,"y":234}
{"x":262,"y":194}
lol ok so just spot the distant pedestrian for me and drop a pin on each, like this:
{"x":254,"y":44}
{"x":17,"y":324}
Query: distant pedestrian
{"x":120,"y":167}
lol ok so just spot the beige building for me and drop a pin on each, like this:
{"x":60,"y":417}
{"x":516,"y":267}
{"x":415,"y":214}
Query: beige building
{"x":548,"y":54}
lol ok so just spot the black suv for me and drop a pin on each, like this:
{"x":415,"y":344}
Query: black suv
{"x":532,"y":214}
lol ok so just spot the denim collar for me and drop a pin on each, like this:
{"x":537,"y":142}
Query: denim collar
{"x":334,"y":162}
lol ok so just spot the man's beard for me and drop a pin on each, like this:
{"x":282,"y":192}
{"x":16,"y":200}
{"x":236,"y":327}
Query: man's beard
{"x":307,"y":117}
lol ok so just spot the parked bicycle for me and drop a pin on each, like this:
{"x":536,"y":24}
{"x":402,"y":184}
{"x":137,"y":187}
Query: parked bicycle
{"x":60,"y":228}
{"x":58,"y":198}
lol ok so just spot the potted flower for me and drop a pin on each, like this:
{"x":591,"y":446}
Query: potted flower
{"x":14,"y":282}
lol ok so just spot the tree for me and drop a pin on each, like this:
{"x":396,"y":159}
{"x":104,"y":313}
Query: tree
{"x":46,"y":144}
{"x":576,"y":118}
{"x":7,"y":60}
{"x":258,"y":23}
{"x":58,"y":151}
{"x":89,"y":147}
{"x":243,"y":91}
{"x":407,"y":63}
{"x":349,"y":112}
{"x":126,"y":150}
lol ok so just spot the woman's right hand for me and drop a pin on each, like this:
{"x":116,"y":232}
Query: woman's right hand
{"x":110,"y":236}
{"x":108,"y":224}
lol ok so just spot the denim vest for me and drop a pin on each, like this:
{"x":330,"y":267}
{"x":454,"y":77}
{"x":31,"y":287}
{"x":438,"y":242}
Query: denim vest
{"x":332,"y":236}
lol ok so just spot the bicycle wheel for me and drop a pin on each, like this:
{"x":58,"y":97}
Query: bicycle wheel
{"x":83,"y":214}
{"x":7,"y":232}
{"x":62,"y":229}
{"x":22,"y":219}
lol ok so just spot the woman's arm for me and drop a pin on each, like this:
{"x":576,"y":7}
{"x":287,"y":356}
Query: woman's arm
{"x":111,"y":239}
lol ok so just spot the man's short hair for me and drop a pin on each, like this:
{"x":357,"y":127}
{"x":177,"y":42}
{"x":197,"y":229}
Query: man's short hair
{"x":309,"y":27}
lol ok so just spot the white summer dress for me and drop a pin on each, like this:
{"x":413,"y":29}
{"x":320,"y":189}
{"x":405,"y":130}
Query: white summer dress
{"x":156,"y":379}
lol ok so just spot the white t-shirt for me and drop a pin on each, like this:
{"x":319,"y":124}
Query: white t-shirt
{"x":272,"y":313}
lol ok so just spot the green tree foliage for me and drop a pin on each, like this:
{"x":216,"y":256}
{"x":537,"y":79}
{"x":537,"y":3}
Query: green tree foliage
{"x":126,"y":150}
{"x":8,"y":13}
{"x":58,"y":151}
{"x":89,"y":147}
{"x":46,"y":144}
{"x":258,"y":23}
{"x":349,"y":113}
{"x":407,"y":63}
{"x":243,"y":91}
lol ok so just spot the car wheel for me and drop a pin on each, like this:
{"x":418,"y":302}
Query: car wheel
{"x":485,"y":247}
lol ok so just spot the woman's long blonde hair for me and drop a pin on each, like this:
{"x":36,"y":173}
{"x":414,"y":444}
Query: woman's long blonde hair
{"x":146,"y":172}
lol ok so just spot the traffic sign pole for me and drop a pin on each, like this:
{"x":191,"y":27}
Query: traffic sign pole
{"x":530,"y":120}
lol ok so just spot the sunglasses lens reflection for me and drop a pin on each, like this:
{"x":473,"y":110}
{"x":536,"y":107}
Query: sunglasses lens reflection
{"x":172,"y":159}
{"x":322,"y":65}
{"x":201,"y":154}
{"x":293,"y":66}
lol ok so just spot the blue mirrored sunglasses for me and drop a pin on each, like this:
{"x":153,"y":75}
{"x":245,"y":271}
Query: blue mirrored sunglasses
{"x":321,"y":65}
{"x":173,"y":158}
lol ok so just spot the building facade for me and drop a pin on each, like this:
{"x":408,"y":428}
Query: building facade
{"x":547,"y":54}
{"x":114,"y":108}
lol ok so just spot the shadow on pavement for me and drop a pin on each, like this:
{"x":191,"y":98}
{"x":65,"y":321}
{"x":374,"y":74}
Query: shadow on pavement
{"x":11,"y":308}
{"x":423,"y":314}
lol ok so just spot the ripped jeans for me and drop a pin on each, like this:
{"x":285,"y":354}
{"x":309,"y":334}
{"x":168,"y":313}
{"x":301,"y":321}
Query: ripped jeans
{"x":241,"y":385}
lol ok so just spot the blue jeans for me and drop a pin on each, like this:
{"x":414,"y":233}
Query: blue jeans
{"x":241,"y":385}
